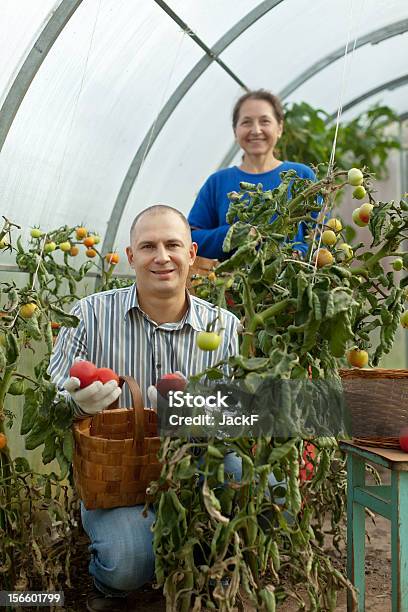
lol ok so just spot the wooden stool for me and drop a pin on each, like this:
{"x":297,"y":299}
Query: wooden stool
{"x":390,"y":501}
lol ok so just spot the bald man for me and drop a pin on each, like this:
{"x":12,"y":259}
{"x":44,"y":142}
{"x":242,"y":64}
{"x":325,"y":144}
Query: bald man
{"x":144,"y":331}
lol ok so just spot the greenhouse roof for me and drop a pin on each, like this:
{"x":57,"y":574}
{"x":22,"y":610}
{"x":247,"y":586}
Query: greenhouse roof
{"x":109,"y":106}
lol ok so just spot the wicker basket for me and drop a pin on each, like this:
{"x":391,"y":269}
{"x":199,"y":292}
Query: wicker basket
{"x":202,"y":266}
{"x":115,"y":455}
{"x":378,"y":402}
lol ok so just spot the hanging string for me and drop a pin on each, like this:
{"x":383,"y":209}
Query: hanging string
{"x":344,"y":82}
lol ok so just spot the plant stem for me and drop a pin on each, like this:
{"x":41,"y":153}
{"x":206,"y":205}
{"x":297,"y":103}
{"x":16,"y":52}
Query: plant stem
{"x":259,"y":320}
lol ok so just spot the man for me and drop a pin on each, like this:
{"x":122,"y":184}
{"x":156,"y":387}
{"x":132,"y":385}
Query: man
{"x":144,"y":331}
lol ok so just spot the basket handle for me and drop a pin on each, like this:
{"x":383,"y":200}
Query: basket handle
{"x":137,"y":401}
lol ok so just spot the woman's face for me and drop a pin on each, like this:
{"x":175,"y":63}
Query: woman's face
{"x":257,"y":130}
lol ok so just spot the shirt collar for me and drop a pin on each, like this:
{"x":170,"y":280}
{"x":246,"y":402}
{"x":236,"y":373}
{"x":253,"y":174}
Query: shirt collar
{"x":191,"y":317}
{"x":131,"y":300}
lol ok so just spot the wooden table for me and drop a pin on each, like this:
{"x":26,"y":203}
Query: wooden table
{"x":390,"y":501}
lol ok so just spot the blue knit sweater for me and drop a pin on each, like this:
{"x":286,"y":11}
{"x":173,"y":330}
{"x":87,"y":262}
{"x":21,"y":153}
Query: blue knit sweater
{"x":211,"y":206}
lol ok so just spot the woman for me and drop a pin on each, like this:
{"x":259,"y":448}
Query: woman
{"x":257,"y":121}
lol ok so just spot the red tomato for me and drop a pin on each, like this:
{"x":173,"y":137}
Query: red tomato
{"x":112,"y":258}
{"x":306,"y":472}
{"x":81,"y":232}
{"x":106,"y":374}
{"x":170,"y":382}
{"x":89,"y":241}
{"x":85,"y":371}
{"x":3,"y":440}
{"x":403,"y":439}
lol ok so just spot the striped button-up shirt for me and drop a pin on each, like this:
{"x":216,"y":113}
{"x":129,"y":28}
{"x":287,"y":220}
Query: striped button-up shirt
{"x":114,"y":332}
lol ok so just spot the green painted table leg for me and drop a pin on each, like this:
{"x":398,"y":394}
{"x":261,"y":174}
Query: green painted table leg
{"x":355,"y":532}
{"x":399,"y":540}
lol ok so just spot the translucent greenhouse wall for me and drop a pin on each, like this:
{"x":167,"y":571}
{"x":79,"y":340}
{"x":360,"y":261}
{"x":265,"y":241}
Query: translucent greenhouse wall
{"x":126,"y":109}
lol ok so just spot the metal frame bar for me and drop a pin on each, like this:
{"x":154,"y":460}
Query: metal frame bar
{"x":199,"y":41}
{"x":394,"y":84}
{"x":167,"y":110}
{"x":32,"y":64}
{"x":374,"y":38}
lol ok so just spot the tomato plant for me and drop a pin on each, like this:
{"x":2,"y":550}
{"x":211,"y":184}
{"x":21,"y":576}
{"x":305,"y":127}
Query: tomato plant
{"x":300,"y":317}
{"x":30,"y":316}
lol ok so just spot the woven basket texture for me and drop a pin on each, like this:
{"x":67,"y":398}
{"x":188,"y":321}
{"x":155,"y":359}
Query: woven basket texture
{"x":378,"y":401}
{"x":202,"y":266}
{"x":115,"y":455}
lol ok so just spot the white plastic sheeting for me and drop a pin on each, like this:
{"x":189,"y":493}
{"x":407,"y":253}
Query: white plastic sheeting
{"x":20,"y":23}
{"x":117,"y":63}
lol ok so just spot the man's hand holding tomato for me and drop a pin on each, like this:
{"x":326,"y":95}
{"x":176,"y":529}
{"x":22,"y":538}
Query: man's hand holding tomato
{"x":93,"y":389}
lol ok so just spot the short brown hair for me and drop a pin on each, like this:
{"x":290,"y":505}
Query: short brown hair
{"x":155,"y":209}
{"x":258,"y":94}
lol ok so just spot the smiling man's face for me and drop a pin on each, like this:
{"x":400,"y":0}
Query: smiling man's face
{"x":161,"y":254}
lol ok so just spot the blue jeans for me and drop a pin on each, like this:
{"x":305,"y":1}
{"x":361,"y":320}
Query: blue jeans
{"x":122,"y":558}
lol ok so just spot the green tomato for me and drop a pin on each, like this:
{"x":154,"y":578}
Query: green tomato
{"x":49,"y":247}
{"x":202,"y":292}
{"x":65,"y":246}
{"x":359,"y":193}
{"x":17,"y":387}
{"x":347,"y":250}
{"x":398,"y":264}
{"x":36,"y":233}
{"x":357,"y":358}
{"x":404,"y":319}
{"x":329,"y":238}
{"x":208,"y":341}
{"x":335,"y":225}
{"x":355,"y":177}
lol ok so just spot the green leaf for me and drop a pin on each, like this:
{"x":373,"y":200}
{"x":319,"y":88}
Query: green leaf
{"x":21,"y":464}
{"x":272,"y":270}
{"x":30,"y":413}
{"x":63,"y":415}
{"x":60,"y":316}
{"x":68,"y":445}
{"x":63,"y":463}
{"x":279,"y":452}
{"x":37,"y":435}
{"x":244,"y":254}
{"x":250,"y":364}
{"x":12,"y":349}
{"x":49,"y":449}
{"x":340,"y":334}
{"x":236,"y":236}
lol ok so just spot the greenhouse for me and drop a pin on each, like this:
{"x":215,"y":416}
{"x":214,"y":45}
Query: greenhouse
{"x":204,"y":305}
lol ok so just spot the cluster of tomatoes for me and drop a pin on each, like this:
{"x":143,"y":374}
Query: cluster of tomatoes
{"x":87,"y":373}
{"x":83,"y":237}
{"x":334,"y":227}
